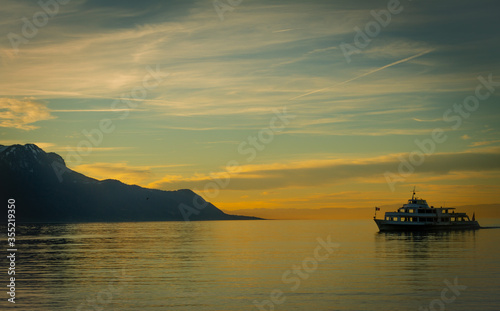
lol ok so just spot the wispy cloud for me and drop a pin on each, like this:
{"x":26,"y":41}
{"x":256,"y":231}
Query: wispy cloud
{"x":282,"y":30}
{"x":431,"y":120}
{"x":314,"y":173}
{"x":484,"y":143}
{"x":21,"y":114}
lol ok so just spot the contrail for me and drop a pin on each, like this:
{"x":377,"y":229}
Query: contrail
{"x":83,"y":95}
{"x":366,"y":73}
{"x":96,"y":110}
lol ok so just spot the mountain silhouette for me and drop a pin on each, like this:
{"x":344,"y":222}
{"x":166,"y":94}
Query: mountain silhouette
{"x":46,"y":191}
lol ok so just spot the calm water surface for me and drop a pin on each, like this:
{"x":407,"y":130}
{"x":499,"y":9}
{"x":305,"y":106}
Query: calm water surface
{"x":253,"y":265}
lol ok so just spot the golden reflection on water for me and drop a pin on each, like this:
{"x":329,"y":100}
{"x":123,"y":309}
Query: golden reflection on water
{"x":227,"y":265}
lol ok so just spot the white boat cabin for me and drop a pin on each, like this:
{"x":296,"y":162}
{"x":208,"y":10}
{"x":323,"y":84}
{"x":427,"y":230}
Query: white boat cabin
{"x":417,"y":210}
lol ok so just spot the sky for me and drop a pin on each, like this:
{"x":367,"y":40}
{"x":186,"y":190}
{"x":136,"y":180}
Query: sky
{"x":262,"y":104}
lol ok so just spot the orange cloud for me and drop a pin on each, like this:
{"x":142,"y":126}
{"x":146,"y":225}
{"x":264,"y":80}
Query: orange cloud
{"x":314,"y":173}
{"x":120,"y":171}
{"x":483,"y":143}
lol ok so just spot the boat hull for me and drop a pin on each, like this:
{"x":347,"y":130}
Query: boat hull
{"x":386,"y":226}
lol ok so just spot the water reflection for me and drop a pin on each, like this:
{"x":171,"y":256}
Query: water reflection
{"x":423,"y":258}
{"x":423,"y":245}
{"x":73,"y":260}
{"x":227,"y":265}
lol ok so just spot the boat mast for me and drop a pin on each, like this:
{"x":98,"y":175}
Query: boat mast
{"x":413,"y":196}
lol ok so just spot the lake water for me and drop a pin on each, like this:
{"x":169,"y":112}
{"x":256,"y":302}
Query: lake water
{"x":252,"y":265}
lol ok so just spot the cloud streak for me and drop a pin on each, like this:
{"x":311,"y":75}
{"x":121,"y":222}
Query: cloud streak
{"x":316,"y":173}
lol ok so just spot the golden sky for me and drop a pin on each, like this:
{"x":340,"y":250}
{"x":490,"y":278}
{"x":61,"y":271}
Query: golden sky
{"x":262,"y":104}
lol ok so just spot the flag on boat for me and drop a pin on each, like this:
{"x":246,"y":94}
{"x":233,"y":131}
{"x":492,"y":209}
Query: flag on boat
{"x":377,"y":208}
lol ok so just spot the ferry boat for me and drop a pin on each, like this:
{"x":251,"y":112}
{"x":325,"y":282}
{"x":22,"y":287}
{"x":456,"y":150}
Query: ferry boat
{"x":416,"y":215}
